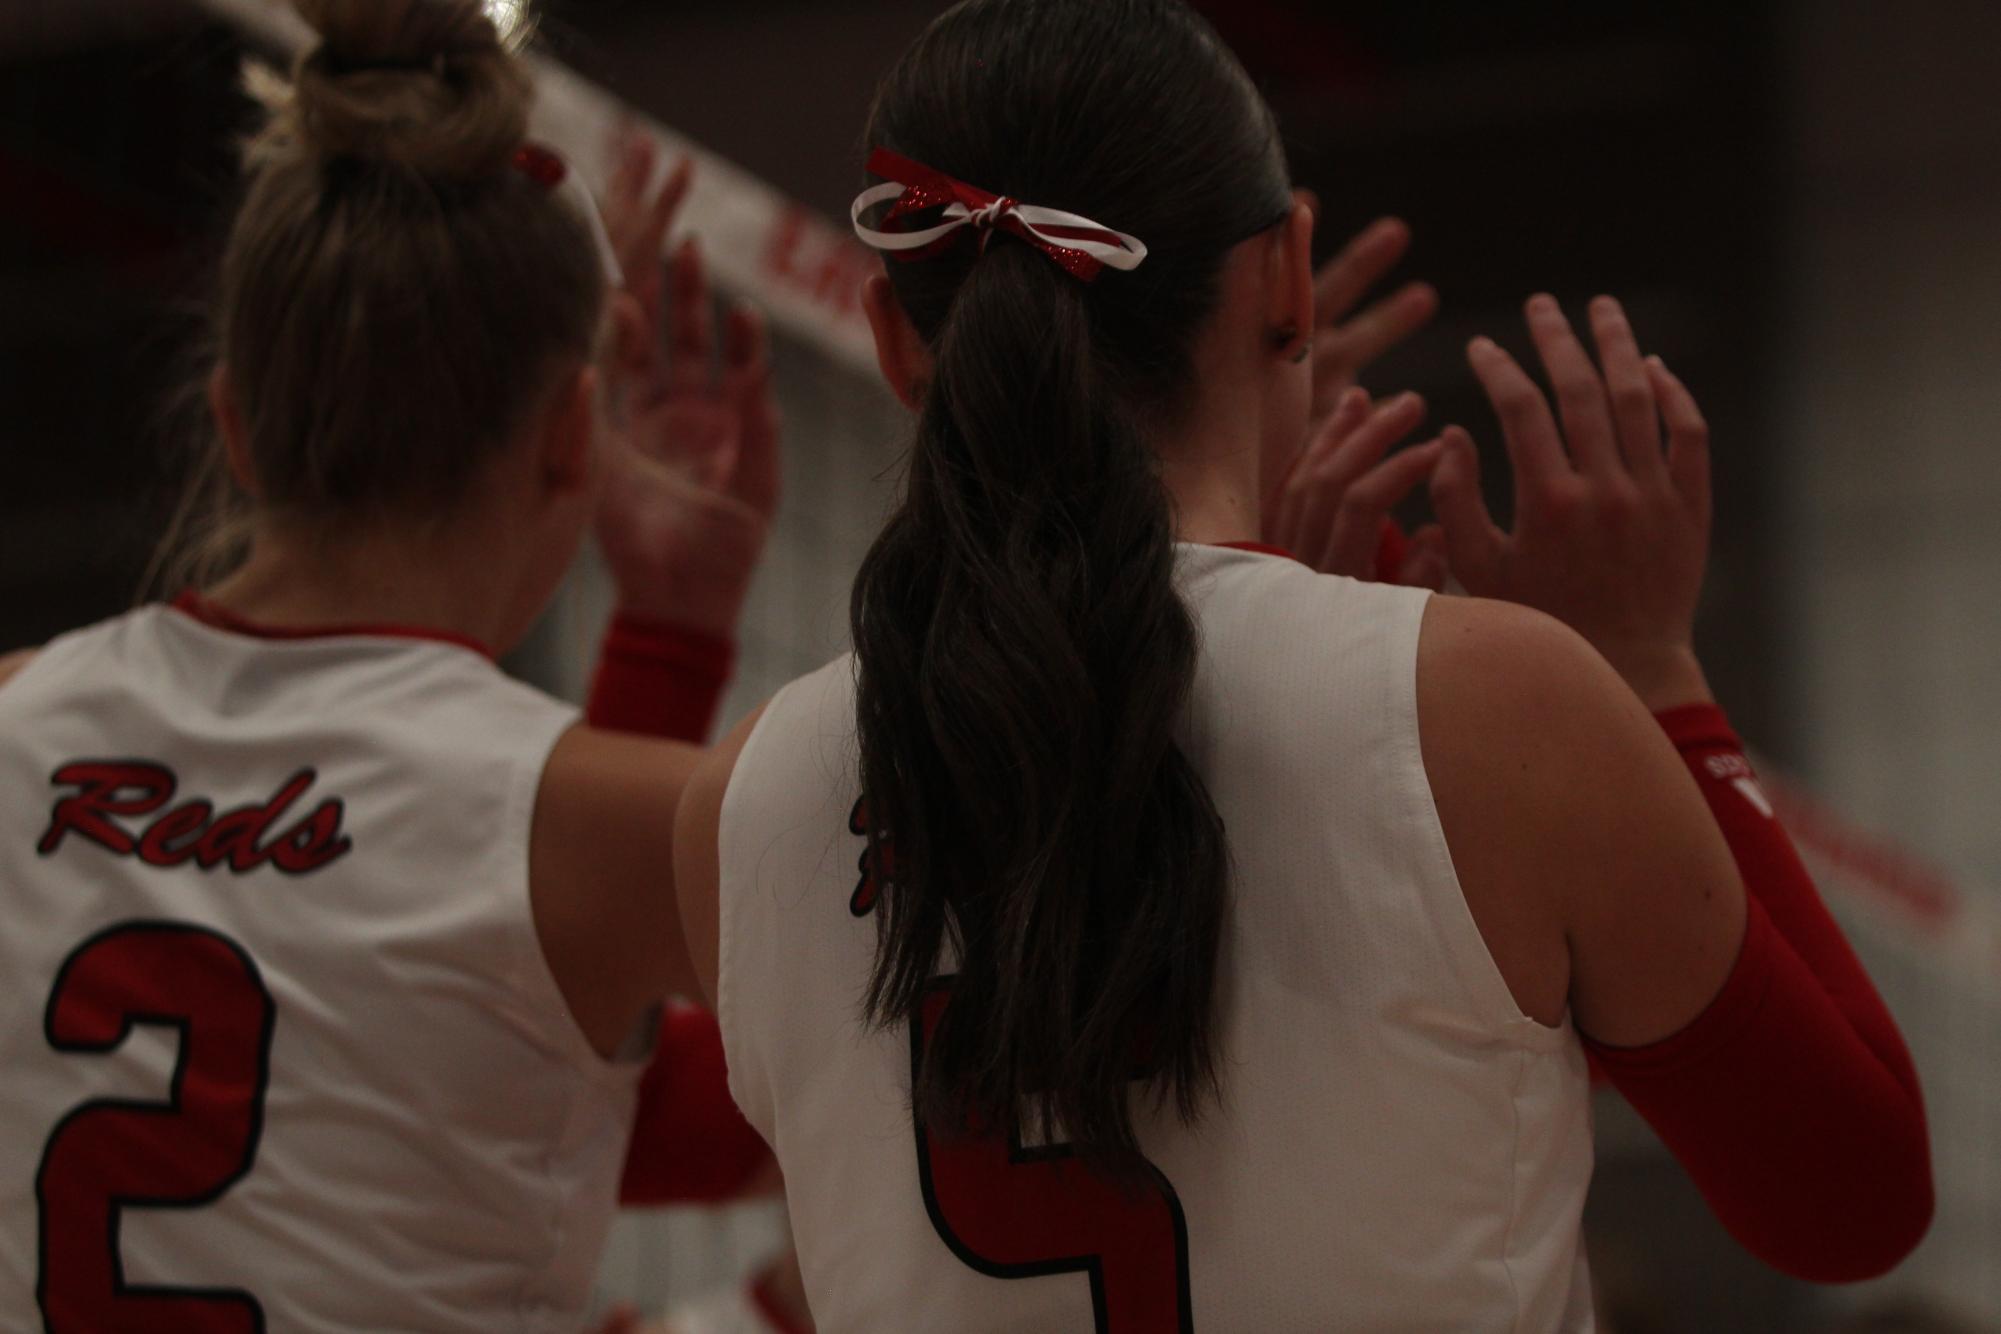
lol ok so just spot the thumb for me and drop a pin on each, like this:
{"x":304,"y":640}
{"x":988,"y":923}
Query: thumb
{"x":1473,"y":545}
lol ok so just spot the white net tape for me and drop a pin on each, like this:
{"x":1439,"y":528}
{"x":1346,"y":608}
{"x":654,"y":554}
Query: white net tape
{"x":804,"y":271}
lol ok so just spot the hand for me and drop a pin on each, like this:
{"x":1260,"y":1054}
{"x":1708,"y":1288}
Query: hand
{"x":1334,"y":503}
{"x":1345,"y":344}
{"x":1611,"y":537}
{"x":694,"y":464}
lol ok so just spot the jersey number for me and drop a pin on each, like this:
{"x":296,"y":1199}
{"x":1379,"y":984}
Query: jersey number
{"x":108,"y":1154}
{"x":1015,"y":1212}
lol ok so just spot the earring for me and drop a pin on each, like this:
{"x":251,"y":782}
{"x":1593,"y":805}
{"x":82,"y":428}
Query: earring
{"x":1288,"y":334}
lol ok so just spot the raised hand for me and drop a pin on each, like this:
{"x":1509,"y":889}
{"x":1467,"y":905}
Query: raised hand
{"x":1345,"y":341}
{"x":694,"y":464}
{"x":1334,"y":502}
{"x":1332,"y":508}
{"x":1611,"y":533}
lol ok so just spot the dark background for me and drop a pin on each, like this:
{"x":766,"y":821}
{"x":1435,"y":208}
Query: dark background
{"x":1569,"y":146}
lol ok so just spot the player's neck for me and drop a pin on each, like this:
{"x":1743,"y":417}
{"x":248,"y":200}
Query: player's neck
{"x":432,"y":582}
{"x":1209,"y":465}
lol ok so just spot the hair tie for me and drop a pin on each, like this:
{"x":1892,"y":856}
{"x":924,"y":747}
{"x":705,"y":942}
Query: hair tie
{"x":1078,"y":245}
{"x":546,"y":167}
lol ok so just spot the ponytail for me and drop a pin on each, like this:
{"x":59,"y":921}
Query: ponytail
{"x":1023,"y":659}
{"x":1023,"y":656}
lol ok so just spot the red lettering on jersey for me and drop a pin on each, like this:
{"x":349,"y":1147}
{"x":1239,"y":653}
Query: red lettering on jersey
{"x":108,"y":790}
{"x":876,"y":865}
{"x":89,"y":812}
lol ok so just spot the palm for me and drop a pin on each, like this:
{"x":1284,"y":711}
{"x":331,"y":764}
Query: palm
{"x":694,"y":466}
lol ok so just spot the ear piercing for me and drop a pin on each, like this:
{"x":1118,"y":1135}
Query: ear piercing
{"x":1288,"y":334}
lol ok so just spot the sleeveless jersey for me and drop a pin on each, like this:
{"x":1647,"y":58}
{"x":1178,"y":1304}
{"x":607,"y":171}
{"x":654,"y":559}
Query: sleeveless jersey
{"x":1396,"y":1147}
{"x":281,"y":1047}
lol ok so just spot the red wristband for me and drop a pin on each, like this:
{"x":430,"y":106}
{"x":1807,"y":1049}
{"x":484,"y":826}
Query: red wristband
{"x":690,"y":1144}
{"x":659,"y":679}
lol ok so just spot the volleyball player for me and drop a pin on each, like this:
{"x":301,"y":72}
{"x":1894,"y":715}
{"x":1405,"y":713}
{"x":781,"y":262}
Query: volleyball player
{"x":331,"y":953}
{"x":1143,"y":932}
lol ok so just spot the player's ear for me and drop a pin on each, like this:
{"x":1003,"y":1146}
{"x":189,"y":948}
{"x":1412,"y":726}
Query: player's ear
{"x":905,"y":361}
{"x":227,"y":413}
{"x":569,"y":434}
{"x":1289,"y":279}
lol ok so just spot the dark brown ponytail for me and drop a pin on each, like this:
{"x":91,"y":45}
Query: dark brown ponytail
{"x":1024,"y":656}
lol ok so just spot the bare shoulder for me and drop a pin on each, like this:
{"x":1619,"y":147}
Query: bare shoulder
{"x":1586,"y":853}
{"x":698,"y":855}
{"x":1507,"y":692}
{"x":601,"y":875}
{"x":12,"y":663}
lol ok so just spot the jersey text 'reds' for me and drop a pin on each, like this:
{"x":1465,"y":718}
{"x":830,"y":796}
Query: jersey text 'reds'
{"x":106,"y":794}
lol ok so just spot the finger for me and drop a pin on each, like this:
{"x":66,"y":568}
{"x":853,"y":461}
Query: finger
{"x":1631,"y":388}
{"x":691,"y":337}
{"x":1295,"y":494}
{"x":636,"y":157}
{"x":1311,"y":198}
{"x":1321,"y":439}
{"x":1345,"y":350}
{"x":1534,"y":447}
{"x":1688,"y":439}
{"x":1364,"y":446}
{"x":1346,"y":278}
{"x":747,"y":381}
{"x":1474,"y":547}
{"x":652,"y":241}
{"x":633,"y":341}
{"x":1580,"y":394}
{"x":1340,"y":457}
{"x":1358,"y":526}
{"x":1353,"y":409}
{"x":1424,"y":564}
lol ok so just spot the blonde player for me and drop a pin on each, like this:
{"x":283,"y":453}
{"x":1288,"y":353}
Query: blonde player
{"x":1142,"y":932}
{"x":331,"y":954}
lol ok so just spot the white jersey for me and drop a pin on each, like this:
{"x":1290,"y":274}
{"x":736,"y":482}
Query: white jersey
{"x":281,"y":1047}
{"x":1397,"y":1147}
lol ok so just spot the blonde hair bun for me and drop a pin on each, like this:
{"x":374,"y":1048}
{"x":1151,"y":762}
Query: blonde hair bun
{"x":425,"y":85}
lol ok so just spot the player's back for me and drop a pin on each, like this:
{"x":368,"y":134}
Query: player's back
{"x":278,"y":1033}
{"x":1396,"y":1146}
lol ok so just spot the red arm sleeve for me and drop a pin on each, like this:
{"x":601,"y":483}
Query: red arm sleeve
{"x":1791,"y":1099}
{"x":659,"y":680}
{"x":689,"y":1143}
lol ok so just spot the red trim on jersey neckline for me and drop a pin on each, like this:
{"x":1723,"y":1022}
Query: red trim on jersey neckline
{"x":216,"y":617}
{"x":1261,"y":548}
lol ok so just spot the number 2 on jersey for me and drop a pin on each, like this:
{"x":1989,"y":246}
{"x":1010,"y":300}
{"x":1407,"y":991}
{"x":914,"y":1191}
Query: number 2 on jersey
{"x":1015,"y":1212}
{"x":110,"y":1154}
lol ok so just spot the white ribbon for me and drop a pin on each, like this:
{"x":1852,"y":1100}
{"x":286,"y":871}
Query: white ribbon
{"x":1125,"y":256}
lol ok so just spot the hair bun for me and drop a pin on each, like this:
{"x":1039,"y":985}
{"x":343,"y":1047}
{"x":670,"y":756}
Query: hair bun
{"x":425,"y":85}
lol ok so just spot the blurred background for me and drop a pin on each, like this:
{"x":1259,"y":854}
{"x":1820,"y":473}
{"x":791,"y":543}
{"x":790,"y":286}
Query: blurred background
{"x":1800,"y":201}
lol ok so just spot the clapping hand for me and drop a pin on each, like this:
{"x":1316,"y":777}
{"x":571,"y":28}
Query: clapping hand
{"x":1332,"y":507}
{"x":1612,"y":506}
{"x":694,"y":463}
